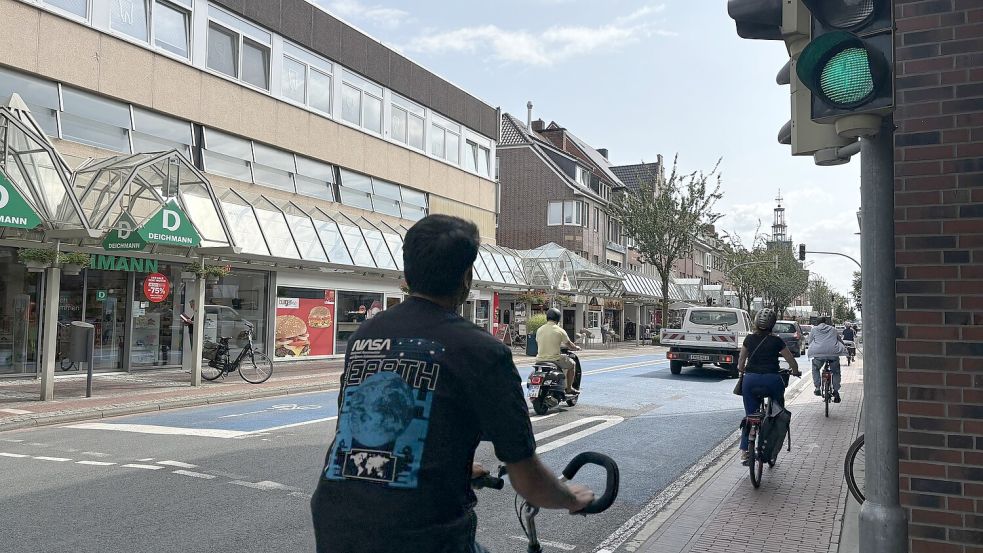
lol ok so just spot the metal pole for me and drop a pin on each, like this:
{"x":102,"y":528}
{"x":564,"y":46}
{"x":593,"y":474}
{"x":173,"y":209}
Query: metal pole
{"x":198,"y":332}
{"x":52,"y":286}
{"x":883,"y":528}
{"x":839,"y":254}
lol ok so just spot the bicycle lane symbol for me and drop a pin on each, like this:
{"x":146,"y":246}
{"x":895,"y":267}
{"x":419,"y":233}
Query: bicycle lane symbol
{"x":285,"y":407}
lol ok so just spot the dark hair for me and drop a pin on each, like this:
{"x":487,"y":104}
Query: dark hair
{"x":437,"y":252}
{"x":824,"y":320}
{"x":554,"y":315}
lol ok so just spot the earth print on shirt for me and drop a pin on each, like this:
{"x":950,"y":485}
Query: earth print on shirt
{"x":385,"y":413}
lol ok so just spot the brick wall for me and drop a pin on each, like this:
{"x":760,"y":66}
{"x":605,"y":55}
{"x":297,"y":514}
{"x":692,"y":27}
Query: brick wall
{"x":939,"y":238}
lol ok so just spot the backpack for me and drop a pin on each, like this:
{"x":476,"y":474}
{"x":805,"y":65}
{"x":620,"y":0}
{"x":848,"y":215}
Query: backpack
{"x":775,"y":427}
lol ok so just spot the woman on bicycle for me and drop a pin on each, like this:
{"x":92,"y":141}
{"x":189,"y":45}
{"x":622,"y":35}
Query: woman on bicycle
{"x":758,"y":364}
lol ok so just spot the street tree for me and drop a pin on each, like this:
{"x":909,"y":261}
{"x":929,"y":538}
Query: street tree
{"x":665,"y":218}
{"x":784,"y":282}
{"x":857,"y":289}
{"x":820,"y":295}
{"x":746,"y":266}
{"x":841,"y":309}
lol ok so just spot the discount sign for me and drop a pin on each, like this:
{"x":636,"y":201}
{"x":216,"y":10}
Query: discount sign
{"x":156,"y":287}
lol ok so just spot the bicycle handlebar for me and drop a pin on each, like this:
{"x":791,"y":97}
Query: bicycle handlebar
{"x":487,"y":481}
{"x":602,"y":503}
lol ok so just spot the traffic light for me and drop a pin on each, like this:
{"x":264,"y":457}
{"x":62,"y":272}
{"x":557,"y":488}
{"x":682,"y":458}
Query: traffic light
{"x":802,"y":252}
{"x":788,"y":20}
{"x":848,"y":64}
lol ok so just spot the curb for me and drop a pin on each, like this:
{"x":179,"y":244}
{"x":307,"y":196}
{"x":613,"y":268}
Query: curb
{"x":61,"y":417}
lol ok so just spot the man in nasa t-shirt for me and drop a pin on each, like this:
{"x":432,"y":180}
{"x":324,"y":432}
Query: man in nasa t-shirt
{"x":421,"y":387}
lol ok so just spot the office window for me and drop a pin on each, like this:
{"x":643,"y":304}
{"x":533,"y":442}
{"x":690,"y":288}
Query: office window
{"x":555,"y":214}
{"x":306,"y":78}
{"x":153,"y":132}
{"x":41,"y":97}
{"x":273,"y":167}
{"x":476,"y":158}
{"x":130,"y":17}
{"x":171,"y":27}
{"x":75,"y":7}
{"x":356,"y":190}
{"x":315,"y":179}
{"x":227,"y":155}
{"x":361,"y":102}
{"x":445,"y":139}
{"x":238,"y":49}
{"x":407,"y":122}
{"x":94,"y":120}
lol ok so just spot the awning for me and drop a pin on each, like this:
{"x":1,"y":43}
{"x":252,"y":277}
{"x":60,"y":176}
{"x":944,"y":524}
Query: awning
{"x":692,"y":290}
{"x":553,"y":267}
{"x":499,"y":267}
{"x":647,"y":289}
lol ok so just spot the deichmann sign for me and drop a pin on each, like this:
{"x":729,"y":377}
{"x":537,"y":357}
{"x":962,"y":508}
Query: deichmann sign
{"x":124,"y":236}
{"x":15,"y":212}
{"x":113,"y":263}
{"x":170,"y":227}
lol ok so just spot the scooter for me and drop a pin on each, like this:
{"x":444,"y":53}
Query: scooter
{"x":547,"y":385}
{"x":851,"y":351}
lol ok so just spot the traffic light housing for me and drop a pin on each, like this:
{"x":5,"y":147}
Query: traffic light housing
{"x":848,"y":64}
{"x":802,"y":252}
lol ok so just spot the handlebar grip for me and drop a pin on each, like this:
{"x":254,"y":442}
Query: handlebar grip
{"x":487,"y":481}
{"x":602,"y":503}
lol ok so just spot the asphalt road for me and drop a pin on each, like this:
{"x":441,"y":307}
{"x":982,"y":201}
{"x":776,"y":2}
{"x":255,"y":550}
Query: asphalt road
{"x":237,"y":477}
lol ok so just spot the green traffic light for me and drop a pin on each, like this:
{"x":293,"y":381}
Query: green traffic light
{"x":846,"y":78}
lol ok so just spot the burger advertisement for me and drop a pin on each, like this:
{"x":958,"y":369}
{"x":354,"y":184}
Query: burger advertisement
{"x":304,"y":327}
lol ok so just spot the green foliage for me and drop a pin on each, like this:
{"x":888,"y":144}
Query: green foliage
{"x":665,"y":217}
{"x":857,"y":289}
{"x":39,"y":255}
{"x":74,"y":258}
{"x":534,"y":297}
{"x":820,"y":296}
{"x":841,"y":309}
{"x":534,"y":322}
{"x":208,"y":271}
{"x":746,"y":267}
{"x":780,"y":286}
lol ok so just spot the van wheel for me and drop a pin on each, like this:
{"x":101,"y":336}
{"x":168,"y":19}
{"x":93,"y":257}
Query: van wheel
{"x":675,"y":367}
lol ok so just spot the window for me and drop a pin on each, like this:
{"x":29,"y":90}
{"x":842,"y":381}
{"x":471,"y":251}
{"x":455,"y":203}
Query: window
{"x":306,"y":78}
{"x":40,"y":96}
{"x":583,"y":176}
{"x":597,"y":217}
{"x":361,"y":102}
{"x":75,"y":7}
{"x":445,"y":139}
{"x":356,"y":190}
{"x":315,"y":179}
{"x":153,"y":132}
{"x":381,"y":196}
{"x":407,"y":122}
{"x":130,"y":17}
{"x":476,"y":158}
{"x":555,"y":214}
{"x":238,"y":49}
{"x":712,"y":318}
{"x":171,"y":28}
{"x":95,"y":121}
{"x":570,"y":213}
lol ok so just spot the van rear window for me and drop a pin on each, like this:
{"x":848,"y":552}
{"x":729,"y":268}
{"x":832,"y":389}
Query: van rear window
{"x":705,"y":317}
{"x":784,"y":328}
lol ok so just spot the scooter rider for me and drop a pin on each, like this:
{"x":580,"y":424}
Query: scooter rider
{"x":550,"y":338}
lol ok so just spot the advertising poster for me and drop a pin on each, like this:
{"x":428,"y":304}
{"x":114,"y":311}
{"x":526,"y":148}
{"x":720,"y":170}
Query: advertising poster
{"x":305,"y":326}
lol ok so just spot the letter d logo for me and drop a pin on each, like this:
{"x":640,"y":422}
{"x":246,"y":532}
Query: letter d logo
{"x":4,"y":197}
{"x":172,"y":221}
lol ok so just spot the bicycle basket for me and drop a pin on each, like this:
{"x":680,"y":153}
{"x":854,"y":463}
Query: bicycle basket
{"x":242,"y":339}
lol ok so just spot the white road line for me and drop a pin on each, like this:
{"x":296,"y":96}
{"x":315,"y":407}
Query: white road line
{"x":541,"y":417}
{"x":55,"y":459}
{"x":289,"y":426}
{"x":178,"y":464}
{"x":547,"y":543}
{"x":607,"y":421}
{"x":165,"y":430}
{"x":147,"y":460}
{"x":265,"y":485}
{"x":195,"y":474}
{"x":139,"y":466}
{"x":14,"y":455}
{"x":10,"y":440}
{"x":16,"y":411}
{"x":95,"y":454}
{"x":624,"y":367}
{"x":95,"y":463}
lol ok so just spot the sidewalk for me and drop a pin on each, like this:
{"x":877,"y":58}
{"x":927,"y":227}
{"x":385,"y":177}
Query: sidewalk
{"x":800,"y":505}
{"x":120,"y":393}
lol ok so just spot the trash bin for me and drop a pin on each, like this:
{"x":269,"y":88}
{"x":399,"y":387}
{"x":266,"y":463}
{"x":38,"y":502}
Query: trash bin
{"x":81,"y":343}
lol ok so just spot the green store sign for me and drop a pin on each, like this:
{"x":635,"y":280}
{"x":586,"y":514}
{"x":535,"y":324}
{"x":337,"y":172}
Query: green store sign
{"x":15,"y":212}
{"x":124,"y":236}
{"x":170,"y":227}
{"x":126,"y":264}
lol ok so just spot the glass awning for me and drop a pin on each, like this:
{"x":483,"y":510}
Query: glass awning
{"x":499,"y":267}
{"x":38,"y":173}
{"x":692,"y":289}
{"x":644,"y":287}
{"x":556,"y":268}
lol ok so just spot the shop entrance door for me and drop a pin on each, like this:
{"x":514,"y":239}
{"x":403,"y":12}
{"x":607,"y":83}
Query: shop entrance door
{"x":106,"y":299}
{"x":157,"y":336}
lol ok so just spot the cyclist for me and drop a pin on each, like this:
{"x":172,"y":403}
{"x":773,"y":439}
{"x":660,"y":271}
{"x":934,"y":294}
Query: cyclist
{"x":421,"y":387}
{"x":825,"y":345}
{"x":849,"y":335}
{"x":550,"y":338}
{"x":758,"y":363}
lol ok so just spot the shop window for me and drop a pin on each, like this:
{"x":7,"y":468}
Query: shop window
{"x":238,"y":49}
{"x":305,"y":322}
{"x":95,"y":121}
{"x":240,"y":296}
{"x":334,"y":245}
{"x":353,"y":309}
{"x":157,"y":336}
{"x":171,"y":26}
{"x":407,"y":122}
{"x":306,"y":78}
{"x":20,"y":318}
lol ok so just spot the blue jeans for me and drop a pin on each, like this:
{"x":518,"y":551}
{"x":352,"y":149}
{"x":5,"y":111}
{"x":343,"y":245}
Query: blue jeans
{"x":766,"y":385}
{"x":834,"y":367}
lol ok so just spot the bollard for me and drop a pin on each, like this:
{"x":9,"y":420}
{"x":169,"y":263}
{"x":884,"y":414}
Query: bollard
{"x":82,"y":349}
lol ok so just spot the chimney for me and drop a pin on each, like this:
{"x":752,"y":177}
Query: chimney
{"x":603,"y":152}
{"x":538,"y":125}
{"x":529,"y":114}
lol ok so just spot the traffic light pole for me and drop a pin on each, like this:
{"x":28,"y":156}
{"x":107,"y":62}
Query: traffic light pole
{"x":883,"y":528}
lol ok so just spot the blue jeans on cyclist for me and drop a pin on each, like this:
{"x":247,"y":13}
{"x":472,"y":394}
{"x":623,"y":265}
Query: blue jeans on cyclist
{"x":772,"y":385}
{"x":834,"y":367}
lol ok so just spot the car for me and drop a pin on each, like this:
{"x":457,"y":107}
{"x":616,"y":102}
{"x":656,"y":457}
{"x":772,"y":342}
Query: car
{"x":791,"y":333}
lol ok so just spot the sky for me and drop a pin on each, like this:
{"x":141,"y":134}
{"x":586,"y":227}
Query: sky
{"x":640,"y":78}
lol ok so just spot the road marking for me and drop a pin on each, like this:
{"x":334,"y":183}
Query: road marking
{"x":265,"y":485}
{"x":16,"y":411}
{"x":194,"y":474}
{"x":624,"y":367}
{"x":165,"y":430}
{"x":288,"y":426}
{"x":178,"y":464}
{"x":281,"y":407}
{"x":55,"y":459}
{"x":147,"y":460}
{"x":547,"y":543}
{"x":95,"y":463}
{"x":541,"y":417}
{"x":95,"y":454}
{"x":607,"y":421}
{"x":14,"y":455}
{"x":10,"y":440}
{"x":144,"y":467}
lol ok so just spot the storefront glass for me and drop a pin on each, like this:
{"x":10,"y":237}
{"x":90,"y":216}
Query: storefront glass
{"x":353,"y":309}
{"x":157,"y":337}
{"x":105,"y":308}
{"x":305,"y":322}
{"x":240,"y":296}
{"x":19,"y":315}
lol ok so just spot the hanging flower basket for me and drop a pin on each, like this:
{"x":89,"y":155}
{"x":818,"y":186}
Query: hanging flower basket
{"x":211,"y":273}
{"x":73,"y":263}
{"x":37,"y":259}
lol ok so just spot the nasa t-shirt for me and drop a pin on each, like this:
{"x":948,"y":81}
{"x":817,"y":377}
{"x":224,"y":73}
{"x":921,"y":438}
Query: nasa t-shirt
{"x":421,"y":387}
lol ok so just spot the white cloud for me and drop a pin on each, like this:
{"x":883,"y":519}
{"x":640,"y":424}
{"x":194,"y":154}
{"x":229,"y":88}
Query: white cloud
{"x":543,"y":48}
{"x":388,"y":18}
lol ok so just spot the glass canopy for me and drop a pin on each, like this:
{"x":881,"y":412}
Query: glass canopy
{"x":646,"y":288}
{"x":555,"y":268}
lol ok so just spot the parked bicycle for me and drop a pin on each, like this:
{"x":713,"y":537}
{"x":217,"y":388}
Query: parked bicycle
{"x":854,"y":468}
{"x":826,"y":385}
{"x":254,"y":366}
{"x":759,"y":451}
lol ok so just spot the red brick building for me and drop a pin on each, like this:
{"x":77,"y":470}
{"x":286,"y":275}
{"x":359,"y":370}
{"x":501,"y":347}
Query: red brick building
{"x":939,"y":239}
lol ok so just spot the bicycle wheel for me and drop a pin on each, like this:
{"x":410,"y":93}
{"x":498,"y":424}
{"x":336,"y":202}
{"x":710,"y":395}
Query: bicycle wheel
{"x":756,"y":464}
{"x":854,"y":469}
{"x":209,"y":373}
{"x":66,"y":364}
{"x":827,"y":394}
{"x":256,"y":368}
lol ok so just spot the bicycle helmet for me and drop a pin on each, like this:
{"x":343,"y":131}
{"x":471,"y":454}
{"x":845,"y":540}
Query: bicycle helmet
{"x":765,"y":320}
{"x":554,"y":315}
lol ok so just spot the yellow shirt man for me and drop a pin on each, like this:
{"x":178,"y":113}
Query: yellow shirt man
{"x":549,"y":339}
